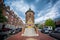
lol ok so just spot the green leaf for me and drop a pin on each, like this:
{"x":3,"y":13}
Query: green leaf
{"x":50,"y":22}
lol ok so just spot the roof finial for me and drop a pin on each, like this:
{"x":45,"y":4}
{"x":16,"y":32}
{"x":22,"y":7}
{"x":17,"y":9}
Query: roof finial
{"x":29,"y":8}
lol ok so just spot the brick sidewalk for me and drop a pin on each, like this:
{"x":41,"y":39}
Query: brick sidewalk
{"x":40,"y":37}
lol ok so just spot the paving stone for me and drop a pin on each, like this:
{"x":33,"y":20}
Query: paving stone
{"x":40,"y":37}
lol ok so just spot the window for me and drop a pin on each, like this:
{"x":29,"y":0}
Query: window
{"x":8,"y":9}
{"x":7,"y":13}
{"x":30,"y":14}
{"x":12,"y":16}
{"x":11,"y":19}
{"x":11,"y":22}
{"x":6,"y":17}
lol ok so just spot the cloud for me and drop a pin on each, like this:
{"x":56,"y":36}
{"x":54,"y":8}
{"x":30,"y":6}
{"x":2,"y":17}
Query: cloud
{"x":19,"y":7}
{"x":36,"y":1}
{"x":50,"y":13}
{"x":43,"y":9}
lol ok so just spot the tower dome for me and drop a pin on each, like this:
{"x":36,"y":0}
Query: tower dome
{"x":29,"y":11}
{"x":29,"y":14}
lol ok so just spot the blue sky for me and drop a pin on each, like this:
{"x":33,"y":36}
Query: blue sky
{"x":44,"y":9}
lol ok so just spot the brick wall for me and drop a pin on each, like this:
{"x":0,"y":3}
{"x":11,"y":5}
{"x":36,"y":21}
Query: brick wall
{"x":13,"y":19}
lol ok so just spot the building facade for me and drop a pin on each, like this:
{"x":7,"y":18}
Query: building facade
{"x":12,"y":18}
{"x":57,"y":23}
{"x":29,"y":14}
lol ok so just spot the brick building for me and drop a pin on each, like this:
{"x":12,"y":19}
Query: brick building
{"x":30,"y":14}
{"x":1,"y":1}
{"x":57,"y":23}
{"x":13,"y":19}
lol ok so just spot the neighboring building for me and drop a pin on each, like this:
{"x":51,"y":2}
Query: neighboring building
{"x":13,"y":19}
{"x":1,"y":1}
{"x":57,"y":23}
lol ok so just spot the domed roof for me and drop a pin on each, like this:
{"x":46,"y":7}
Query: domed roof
{"x":29,"y":11}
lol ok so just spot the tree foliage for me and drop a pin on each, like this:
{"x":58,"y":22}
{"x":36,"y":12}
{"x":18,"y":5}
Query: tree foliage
{"x":40,"y":26}
{"x":36,"y":25}
{"x":2,"y":18}
{"x":50,"y":22}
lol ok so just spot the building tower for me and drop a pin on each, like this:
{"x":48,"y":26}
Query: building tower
{"x":29,"y":14}
{"x":30,"y":29}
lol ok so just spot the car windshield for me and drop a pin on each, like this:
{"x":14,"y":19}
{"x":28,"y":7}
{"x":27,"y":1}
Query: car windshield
{"x":58,"y":29}
{"x":45,"y":28}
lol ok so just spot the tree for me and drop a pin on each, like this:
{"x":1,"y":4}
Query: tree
{"x":2,"y":18}
{"x":50,"y":22}
{"x":36,"y":25}
{"x":40,"y":26}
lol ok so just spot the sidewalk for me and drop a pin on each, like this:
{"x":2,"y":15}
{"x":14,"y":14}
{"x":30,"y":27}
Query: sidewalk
{"x":40,"y":37}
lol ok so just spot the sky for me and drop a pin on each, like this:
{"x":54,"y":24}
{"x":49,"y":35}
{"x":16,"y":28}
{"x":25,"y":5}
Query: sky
{"x":44,"y":9}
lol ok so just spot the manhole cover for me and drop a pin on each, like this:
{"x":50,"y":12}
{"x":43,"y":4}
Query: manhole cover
{"x":31,"y":39}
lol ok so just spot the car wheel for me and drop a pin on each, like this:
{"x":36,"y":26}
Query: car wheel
{"x":5,"y":36}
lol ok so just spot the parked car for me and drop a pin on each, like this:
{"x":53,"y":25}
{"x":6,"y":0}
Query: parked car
{"x":56,"y":33}
{"x":3,"y":36}
{"x":12,"y":31}
{"x":46,"y":30}
{"x":15,"y":31}
{"x":4,"y":33}
{"x":18,"y":30}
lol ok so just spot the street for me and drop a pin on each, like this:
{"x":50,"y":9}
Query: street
{"x":40,"y":37}
{"x":30,"y":20}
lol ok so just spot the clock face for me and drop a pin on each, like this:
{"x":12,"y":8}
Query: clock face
{"x":29,"y":13}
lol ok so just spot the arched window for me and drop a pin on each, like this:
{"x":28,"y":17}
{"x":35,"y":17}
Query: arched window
{"x":30,"y":14}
